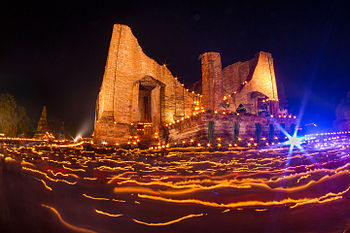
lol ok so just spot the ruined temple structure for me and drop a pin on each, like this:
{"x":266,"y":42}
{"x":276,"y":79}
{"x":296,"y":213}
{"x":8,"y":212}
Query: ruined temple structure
{"x":139,"y":95}
{"x":136,"y":90}
{"x":251,"y":84}
{"x":43,"y":129}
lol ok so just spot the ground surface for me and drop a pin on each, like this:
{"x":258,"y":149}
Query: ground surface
{"x":86,"y":189}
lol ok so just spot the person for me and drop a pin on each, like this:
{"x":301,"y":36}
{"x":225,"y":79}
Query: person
{"x":2,"y":158}
{"x":165,"y":138}
{"x":165,"y":134}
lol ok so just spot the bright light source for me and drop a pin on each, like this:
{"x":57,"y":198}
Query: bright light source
{"x":77,"y":138}
{"x":295,"y":141}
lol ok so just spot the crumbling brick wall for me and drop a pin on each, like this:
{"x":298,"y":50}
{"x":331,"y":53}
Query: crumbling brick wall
{"x":126,"y":65}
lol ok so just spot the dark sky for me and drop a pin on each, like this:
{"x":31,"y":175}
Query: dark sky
{"x":54,"y":53}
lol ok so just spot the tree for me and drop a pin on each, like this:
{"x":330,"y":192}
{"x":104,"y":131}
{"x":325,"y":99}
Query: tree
{"x":8,"y":114}
{"x":13,"y":118}
{"x":23,"y":122}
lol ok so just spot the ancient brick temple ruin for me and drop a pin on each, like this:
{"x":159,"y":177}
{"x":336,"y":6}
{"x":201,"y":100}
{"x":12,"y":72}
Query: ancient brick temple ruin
{"x":140,"y":97}
{"x":43,"y":129}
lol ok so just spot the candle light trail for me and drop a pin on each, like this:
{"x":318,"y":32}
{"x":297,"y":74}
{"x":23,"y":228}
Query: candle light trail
{"x":124,"y":184}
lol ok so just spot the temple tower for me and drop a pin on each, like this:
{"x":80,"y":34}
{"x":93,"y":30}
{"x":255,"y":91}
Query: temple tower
{"x":43,"y":128}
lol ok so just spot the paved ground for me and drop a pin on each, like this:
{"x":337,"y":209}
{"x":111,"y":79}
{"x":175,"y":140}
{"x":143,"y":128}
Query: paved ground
{"x":89,"y":189}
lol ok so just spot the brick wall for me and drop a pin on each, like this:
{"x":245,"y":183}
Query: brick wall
{"x":196,"y":127}
{"x":260,"y":77}
{"x":212,"y":81}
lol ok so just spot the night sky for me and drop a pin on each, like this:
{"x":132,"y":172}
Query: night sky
{"x":54,"y":53}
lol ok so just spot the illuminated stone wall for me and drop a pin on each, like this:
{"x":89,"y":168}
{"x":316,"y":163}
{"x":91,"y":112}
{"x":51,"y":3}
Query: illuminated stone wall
{"x":256,"y":76}
{"x":126,"y":69}
{"x":239,"y":83}
{"x":196,"y":127}
{"x":129,"y":74}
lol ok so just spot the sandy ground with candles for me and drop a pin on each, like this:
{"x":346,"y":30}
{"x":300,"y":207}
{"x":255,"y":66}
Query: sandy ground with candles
{"x":83,"y":188}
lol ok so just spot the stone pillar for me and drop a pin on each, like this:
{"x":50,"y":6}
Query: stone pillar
{"x":274,"y":106}
{"x":212,"y":83}
{"x":155,"y":107}
{"x":135,"y":102}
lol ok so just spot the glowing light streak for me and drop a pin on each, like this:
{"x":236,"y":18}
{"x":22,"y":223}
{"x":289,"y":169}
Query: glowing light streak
{"x":48,"y":177}
{"x":90,"y":178}
{"x":107,"y":168}
{"x":68,"y":145}
{"x":170,"y":222}
{"x":108,"y":214}
{"x":242,"y":184}
{"x":10,"y":160}
{"x":62,"y":174}
{"x":116,"y":200}
{"x":27,"y":163}
{"x":68,"y":225}
{"x":45,"y":185}
{"x":197,"y":173}
{"x":303,"y":177}
{"x":73,"y":169}
{"x":59,"y":162}
{"x":96,"y":198}
{"x":288,"y":201}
